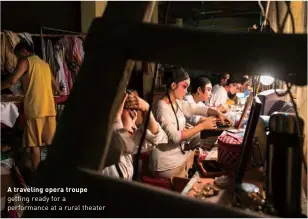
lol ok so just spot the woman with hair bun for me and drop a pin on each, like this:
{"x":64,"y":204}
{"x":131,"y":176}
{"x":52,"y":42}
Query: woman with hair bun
{"x":168,"y":160}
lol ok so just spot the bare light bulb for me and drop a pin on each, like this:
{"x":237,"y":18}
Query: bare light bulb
{"x":266,"y":80}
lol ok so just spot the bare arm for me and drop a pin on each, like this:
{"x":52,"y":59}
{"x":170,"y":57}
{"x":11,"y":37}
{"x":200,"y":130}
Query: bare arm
{"x":21,"y":68}
{"x":188,"y":133}
{"x":169,"y":125}
{"x":221,"y":116}
{"x":192,"y":109}
{"x":213,"y":112}
{"x":136,"y":102}
{"x":152,"y":126}
{"x":204,"y":123}
{"x":118,"y":120}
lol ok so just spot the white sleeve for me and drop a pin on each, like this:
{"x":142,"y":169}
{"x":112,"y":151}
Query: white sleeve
{"x":121,"y":138}
{"x":127,"y":141}
{"x":151,"y":140}
{"x":116,"y":149}
{"x":219,"y":96}
{"x":193,"y":109}
{"x":159,"y":138}
{"x":166,"y":119}
{"x":117,"y":125}
{"x":186,"y":98}
{"x":193,"y":120}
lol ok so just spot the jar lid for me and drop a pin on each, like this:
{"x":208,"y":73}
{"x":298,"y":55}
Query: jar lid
{"x":230,"y":138}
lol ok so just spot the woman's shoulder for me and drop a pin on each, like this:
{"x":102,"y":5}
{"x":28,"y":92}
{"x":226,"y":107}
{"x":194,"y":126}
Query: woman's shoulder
{"x":221,"y":88}
{"x":189,"y":98}
{"x":162,"y":103}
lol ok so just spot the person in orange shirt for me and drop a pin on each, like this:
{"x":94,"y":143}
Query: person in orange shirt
{"x":39,"y":105}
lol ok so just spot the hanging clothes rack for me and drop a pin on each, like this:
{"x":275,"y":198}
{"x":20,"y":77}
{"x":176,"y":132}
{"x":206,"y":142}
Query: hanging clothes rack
{"x":68,"y":32}
{"x":64,"y":31}
{"x":52,"y":34}
{"x":70,"y":74}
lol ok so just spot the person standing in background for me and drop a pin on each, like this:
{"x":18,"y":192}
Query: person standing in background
{"x":39,"y":105}
{"x":201,"y":89}
{"x":245,"y":89}
{"x":219,"y":101}
{"x":223,"y":94}
{"x":246,"y":85}
{"x":223,"y":79}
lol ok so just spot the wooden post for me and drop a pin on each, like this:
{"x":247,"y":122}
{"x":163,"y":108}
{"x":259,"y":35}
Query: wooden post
{"x":80,"y":140}
{"x":148,"y":67}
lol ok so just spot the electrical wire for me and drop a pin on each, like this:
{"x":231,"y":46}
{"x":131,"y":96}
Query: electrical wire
{"x":267,"y":9}
{"x":136,"y":166}
{"x":286,"y":16}
{"x":276,"y":92}
{"x":277,"y":17}
{"x":167,"y":12}
{"x":266,"y":15}
{"x":262,"y":8}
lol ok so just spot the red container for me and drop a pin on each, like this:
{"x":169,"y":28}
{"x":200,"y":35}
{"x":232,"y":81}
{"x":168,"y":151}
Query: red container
{"x":229,"y":149}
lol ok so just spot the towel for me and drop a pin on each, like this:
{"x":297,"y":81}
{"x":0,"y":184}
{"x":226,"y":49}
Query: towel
{"x":9,"y":40}
{"x":9,"y":113}
{"x":27,"y":37}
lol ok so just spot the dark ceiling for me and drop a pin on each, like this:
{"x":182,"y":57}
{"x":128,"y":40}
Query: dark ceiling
{"x":30,"y":16}
{"x":207,"y":9}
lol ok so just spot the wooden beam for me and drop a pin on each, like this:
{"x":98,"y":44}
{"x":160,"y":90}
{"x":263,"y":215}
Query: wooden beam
{"x":284,"y":56}
{"x":127,"y":73}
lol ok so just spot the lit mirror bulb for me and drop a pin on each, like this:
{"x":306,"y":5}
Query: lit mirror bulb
{"x":266,"y":80}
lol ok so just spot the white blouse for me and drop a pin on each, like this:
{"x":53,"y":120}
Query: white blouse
{"x":169,"y":156}
{"x":193,"y":120}
{"x":219,"y":96}
{"x":130,"y":146}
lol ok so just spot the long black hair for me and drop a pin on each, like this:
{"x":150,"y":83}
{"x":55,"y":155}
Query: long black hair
{"x":23,"y":45}
{"x":219,"y":77}
{"x":235,"y":79}
{"x":176,"y":75}
{"x":199,"y":82}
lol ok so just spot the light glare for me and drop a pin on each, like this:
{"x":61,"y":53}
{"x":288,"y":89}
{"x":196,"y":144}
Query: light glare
{"x":266,"y":80}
